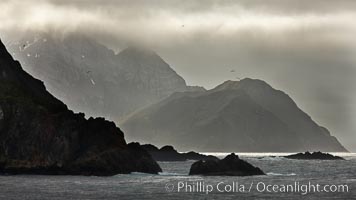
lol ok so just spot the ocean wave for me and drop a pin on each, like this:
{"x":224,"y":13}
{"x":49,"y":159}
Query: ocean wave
{"x":275,"y":158}
{"x":159,"y":174}
{"x":171,"y":174}
{"x":279,"y":174}
{"x":141,"y":174}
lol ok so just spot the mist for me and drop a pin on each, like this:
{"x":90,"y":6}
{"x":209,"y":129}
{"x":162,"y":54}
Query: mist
{"x":305,"y":48}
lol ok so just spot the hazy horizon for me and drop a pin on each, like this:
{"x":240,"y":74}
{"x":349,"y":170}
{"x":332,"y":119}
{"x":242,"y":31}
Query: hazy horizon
{"x":304,"y":48}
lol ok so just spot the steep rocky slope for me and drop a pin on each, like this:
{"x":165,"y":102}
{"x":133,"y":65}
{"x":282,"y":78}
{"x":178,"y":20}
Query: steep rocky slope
{"x":39,"y":135}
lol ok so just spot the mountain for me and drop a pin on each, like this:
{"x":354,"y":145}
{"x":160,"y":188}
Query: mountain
{"x":236,"y":116}
{"x":39,"y":135}
{"x":91,"y":78}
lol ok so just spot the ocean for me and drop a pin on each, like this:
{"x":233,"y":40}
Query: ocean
{"x":285,"y":179}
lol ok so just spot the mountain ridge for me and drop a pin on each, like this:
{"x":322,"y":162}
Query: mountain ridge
{"x":91,"y":78}
{"x":248,"y":113}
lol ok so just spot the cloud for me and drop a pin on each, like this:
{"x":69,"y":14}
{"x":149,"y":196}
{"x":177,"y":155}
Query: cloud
{"x":128,"y":20}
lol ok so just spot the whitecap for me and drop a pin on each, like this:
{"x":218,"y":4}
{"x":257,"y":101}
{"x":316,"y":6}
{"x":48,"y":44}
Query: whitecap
{"x":170,"y":174}
{"x":140,"y":174}
{"x":279,"y":174}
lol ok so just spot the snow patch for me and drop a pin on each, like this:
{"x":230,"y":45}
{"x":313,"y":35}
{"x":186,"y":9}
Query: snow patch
{"x":92,"y":81}
{"x":28,"y":44}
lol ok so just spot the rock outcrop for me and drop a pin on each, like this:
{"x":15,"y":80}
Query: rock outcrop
{"x":236,"y":116}
{"x":39,"y":135}
{"x":231,"y":165}
{"x":314,"y":156}
{"x":168,"y":153}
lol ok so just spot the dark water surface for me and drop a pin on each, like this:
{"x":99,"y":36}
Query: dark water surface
{"x":281,"y":172}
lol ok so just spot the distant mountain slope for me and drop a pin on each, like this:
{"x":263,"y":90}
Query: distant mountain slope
{"x":39,"y":135}
{"x":91,"y":78}
{"x":247,"y":115}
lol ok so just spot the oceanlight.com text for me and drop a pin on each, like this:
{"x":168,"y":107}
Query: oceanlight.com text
{"x":302,"y":188}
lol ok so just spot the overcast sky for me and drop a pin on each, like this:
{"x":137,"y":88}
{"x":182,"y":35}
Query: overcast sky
{"x":306,"y":48}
